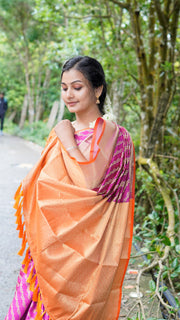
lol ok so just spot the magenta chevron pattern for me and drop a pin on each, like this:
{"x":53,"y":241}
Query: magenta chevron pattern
{"x":23,"y":307}
{"x":85,"y":136}
{"x":116,"y":183}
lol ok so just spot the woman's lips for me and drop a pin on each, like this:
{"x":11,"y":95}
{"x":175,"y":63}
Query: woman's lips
{"x":71,"y":103}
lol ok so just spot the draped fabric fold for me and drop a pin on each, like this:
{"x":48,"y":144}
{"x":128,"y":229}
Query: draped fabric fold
{"x":78,"y":223}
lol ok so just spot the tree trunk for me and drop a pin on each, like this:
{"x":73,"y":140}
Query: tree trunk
{"x":30,"y":101}
{"x":39,"y":96}
{"x":117,"y":99}
{"x":29,"y":89}
{"x":53,"y":114}
{"x":23,"y":112}
{"x":61,"y":110}
{"x":12,"y":116}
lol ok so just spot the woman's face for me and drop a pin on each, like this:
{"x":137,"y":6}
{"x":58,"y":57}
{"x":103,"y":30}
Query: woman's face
{"x":77,"y":93}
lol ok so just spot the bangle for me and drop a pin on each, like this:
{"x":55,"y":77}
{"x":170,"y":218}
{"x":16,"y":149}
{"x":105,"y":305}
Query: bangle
{"x":70,"y":148}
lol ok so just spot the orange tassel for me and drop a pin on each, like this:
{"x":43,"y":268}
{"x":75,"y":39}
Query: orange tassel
{"x":17,"y":199}
{"x":32,"y":284}
{"x":24,"y":241}
{"x":27,"y":265}
{"x":18,"y":211}
{"x":42,"y":315}
{"x":35,"y":294}
{"x":18,"y":221}
{"x":21,"y":230}
{"x":38,"y":308}
{"x":26,"y":256}
{"x":17,"y":191}
{"x":26,"y":260}
{"x":30,"y":276}
{"x":20,"y":225}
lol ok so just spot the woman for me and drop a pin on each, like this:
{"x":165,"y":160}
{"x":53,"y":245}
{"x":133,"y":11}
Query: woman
{"x":75,"y":210}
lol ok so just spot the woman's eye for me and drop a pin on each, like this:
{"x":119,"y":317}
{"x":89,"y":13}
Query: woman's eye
{"x":64,"y":89}
{"x":78,"y":88}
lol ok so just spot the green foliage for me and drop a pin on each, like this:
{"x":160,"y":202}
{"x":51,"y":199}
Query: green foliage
{"x":151,"y":226}
{"x":178,"y":248}
{"x":37,"y":132}
{"x":139,"y":317}
{"x":10,"y":127}
{"x":154,"y":319}
{"x":68,"y":115}
{"x":135,"y":318}
{"x":152,"y":286}
{"x":155,"y":242}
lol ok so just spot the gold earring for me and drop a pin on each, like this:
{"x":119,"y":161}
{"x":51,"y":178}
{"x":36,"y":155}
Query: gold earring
{"x":97,"y":101}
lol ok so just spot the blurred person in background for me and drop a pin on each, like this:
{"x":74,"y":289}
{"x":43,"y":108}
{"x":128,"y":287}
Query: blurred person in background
{"x":3,"y":109}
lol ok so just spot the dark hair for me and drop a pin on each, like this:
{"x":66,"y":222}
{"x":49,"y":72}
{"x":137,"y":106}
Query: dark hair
{"x":92,"y":71}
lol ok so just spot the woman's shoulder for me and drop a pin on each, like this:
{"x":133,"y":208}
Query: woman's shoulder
{"x":123,"y":133}
{"x":122,"y":130}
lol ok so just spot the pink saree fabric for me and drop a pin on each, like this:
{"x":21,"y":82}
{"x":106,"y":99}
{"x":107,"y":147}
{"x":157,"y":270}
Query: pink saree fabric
{"x":83,"y":279}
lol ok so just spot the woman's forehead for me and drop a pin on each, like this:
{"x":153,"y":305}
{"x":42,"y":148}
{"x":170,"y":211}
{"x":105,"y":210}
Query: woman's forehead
{"x":73,"y":75}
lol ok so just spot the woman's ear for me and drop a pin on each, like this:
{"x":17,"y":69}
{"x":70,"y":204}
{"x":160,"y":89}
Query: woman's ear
{"x":98,"y":91}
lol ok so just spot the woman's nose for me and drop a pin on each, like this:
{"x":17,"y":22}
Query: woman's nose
{"x":69,"y":93}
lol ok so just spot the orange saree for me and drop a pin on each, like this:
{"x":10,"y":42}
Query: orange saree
{"x":77,"y":219}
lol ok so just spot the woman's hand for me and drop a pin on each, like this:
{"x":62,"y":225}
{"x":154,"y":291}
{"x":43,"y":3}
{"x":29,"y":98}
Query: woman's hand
{"x":65,"y":132}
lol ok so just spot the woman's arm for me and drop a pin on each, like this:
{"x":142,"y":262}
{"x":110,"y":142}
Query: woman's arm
{"x":65,"y":132}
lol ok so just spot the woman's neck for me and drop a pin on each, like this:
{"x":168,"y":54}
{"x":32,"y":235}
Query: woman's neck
{"x":83,"y":120}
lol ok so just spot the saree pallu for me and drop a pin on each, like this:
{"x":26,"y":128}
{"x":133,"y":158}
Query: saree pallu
{"x":77,"y":219}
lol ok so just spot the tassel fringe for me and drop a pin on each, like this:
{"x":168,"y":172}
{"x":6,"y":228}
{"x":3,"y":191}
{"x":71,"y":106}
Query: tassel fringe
{"x":33,"y":285}
{"x":35,"y":294}
{"x":26,"y":260}
{"x":39,"y":315}
{"x":32,"y":278}
{"x":18,"y":205}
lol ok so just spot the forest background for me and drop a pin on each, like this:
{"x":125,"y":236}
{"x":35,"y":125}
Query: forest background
{"x":138,"y":44}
